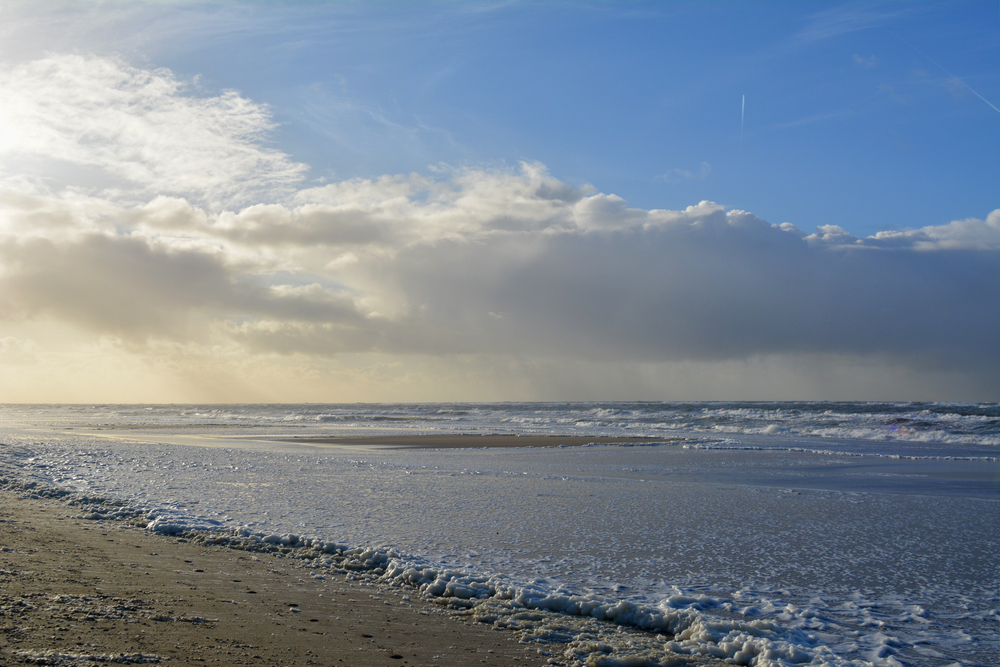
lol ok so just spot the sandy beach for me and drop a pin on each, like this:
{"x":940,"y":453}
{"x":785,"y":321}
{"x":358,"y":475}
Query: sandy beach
{"x":231,"y":540}
{"x":87,"y":592}
{"x":72,"y":588}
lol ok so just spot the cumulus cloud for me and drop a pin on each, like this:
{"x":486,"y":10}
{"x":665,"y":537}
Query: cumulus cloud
{"x":139,"y":288}
{"x":503,"y":262}
{"x":140,"y":128}
{"x":968,"y":234}
{"x":498,"y":268}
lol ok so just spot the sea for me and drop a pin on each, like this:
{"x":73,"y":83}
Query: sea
{"x":765,"y":534}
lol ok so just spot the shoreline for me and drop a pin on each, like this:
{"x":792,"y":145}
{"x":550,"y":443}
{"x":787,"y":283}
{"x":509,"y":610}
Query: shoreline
{"x":84,"y":591}
{"x":81,"y":591}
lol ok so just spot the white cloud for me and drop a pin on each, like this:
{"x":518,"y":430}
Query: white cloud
{"x":501,"y":271}
{"x":417,"y":265}
{"x":968,"y":234}
{"x":140,"y":128}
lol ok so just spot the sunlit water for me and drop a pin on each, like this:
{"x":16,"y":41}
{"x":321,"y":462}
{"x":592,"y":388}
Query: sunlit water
{"x":863,"y":534}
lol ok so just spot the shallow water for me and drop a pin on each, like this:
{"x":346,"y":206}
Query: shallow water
{"x":864,"y":534}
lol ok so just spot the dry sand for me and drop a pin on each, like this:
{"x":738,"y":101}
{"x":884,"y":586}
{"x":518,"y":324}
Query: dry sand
{"x":72,"y":588}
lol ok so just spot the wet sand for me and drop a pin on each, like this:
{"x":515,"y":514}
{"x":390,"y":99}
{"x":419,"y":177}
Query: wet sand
{"x":463,"y":441}
{"x":88,"y":592}
{"x":83,"y":592}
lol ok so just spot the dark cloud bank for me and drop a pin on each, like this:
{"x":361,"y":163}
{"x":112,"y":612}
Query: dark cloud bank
{"x":494,"y":263}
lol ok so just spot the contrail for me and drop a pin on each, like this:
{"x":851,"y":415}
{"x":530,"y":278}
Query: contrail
{"x":941,"y":67}
{"x":743,"y":111}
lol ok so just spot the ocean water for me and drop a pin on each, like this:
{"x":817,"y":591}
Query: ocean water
{"x":764,"y":533}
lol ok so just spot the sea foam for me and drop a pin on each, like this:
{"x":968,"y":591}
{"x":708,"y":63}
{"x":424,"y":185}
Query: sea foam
{"x":761,"y":549}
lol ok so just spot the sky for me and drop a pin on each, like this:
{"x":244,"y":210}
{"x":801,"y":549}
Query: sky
{"x":490,"y":201}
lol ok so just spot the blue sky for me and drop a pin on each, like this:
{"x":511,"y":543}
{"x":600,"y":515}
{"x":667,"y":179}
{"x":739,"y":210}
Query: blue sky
{"x":218,"y":129}
{"x":848,"y":119}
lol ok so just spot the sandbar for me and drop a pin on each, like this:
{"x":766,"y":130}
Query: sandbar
{"x":469,"y":441}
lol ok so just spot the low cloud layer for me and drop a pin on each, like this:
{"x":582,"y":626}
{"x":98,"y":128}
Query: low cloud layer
{"x":463,"y":264}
